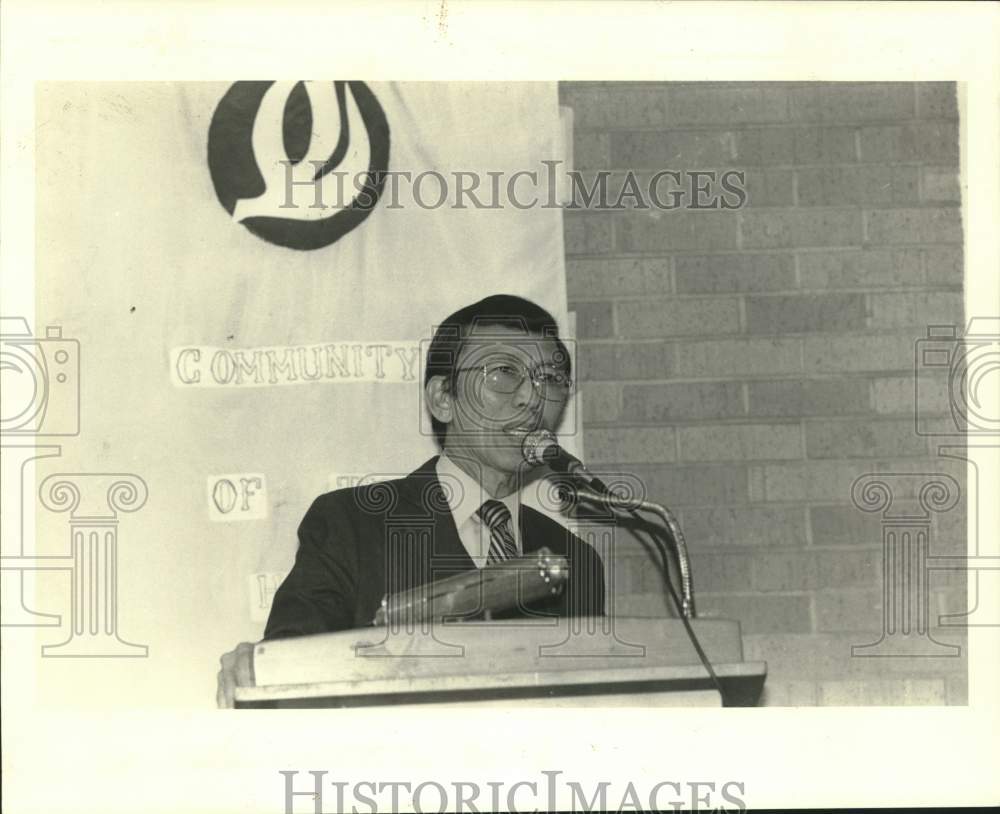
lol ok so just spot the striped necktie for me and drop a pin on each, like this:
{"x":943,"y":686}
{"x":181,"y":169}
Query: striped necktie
{"x":496,"y":516}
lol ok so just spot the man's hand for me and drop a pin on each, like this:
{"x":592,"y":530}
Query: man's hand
{"x":237,"y":671}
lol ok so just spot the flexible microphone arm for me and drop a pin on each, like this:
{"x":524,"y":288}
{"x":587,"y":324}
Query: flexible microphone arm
{"x":683,"y":562}
{"x":542,"y":447}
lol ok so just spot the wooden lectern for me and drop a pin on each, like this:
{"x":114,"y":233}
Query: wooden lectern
{"x":554,"y":662}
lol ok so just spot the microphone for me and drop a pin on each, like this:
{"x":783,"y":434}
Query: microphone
{"x":541,"y":447}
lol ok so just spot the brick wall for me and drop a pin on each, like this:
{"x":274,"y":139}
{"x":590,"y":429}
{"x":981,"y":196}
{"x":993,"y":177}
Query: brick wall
{"x":750,"y":364}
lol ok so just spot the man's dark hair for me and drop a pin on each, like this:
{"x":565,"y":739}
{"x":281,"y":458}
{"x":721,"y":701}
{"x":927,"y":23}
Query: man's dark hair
{"x":498,"y":310}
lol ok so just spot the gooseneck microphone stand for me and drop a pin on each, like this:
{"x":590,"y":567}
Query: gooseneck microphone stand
{"x":608,"y":498}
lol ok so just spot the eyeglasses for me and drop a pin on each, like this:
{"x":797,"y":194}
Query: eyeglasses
{"x":506,"y":377}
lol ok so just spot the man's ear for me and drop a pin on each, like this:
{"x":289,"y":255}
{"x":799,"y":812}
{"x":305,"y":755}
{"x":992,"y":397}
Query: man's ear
{"x":439,"y":399}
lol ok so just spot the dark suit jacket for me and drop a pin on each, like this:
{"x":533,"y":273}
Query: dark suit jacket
{"x":356,"y":545}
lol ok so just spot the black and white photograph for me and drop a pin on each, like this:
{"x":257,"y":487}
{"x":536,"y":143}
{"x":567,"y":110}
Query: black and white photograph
{"x":443,"y":440}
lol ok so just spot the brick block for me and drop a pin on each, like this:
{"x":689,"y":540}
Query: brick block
{"x":596,"y":278}
{"x":947,"y":544}
{"x":601,"y":402}
{"x":728,"y":106}
{"x":630,"y":444}
{"x":917,"y":309}
{"x":749,"y":526}
{"x":940,"y":184}
{"x":693,"y":485}
{"x":769,"y":187}
{"x":635,"y":569}
{"x":654,"y":605}
{"x":950,"y":605}
{"x":828,"y":481}
{"x":587,"y":233}
{"x":905,"y":692}
{"x":625,"y":568}
{"x":666,"y":403}
{"x":820,"y":481}
{"x":865,"y":268}
{"x":758,"y":613}
{"x":824,"y":145}
{"x":944,"y":265}
{"x":950,"y":528}
{"x":805,"y":313}
{"x":839,"y":102}
{"x":726,"y":273}
{"x":797,"y":656}
{"x":895,"y":226}
{"x":739,"y":357}
{"x":809,"y":569}
{"x":789,"y":694}
{"x":755,"y":484}
{"x":937,"y":100}
{"x":619,"y":361}
{"x":948,"y":538}
{"x":651,"y":318}
{"x":861,"y":185}
{"x":852,"y":610}
{"x":717,"y":573}
{"x":774,"y":145}
{"x":776,"y":229}
{"x":617,"y":106}
{"x":657,"y":231}
{"x":594,"y":320}
{"x":743,"y":442}
{"x":863,"y":439}
{"x":686,"y":149}
{"x":952,"y":598}
{"x":591,"y":150}
{"x":848,"y":525}
{"x":919,"y":141}
{"x":809,"y":397}
{"x":827,"y":656}
{"x":845,"y":354}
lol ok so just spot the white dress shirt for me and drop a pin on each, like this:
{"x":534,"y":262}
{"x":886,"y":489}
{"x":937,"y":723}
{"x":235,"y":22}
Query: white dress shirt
{"x":465,"y":495}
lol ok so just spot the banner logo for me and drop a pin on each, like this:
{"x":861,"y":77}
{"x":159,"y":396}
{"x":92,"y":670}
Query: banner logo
{"x":299,"y":164}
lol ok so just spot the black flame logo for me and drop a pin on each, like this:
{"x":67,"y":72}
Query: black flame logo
{"x":237,"y":173}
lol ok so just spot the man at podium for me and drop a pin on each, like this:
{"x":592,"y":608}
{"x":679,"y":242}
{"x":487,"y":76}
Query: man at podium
{"x":495,"y":371}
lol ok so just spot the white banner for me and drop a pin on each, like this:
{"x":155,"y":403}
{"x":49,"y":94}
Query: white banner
{"x":208,"y":243}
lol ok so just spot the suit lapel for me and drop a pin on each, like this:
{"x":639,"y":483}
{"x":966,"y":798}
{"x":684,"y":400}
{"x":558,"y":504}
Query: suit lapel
{"x":422,"y":501}
{"x":537,"y":531}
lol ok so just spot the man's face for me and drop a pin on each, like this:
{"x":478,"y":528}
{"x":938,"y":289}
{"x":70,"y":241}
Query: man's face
{"x":507,"y":384}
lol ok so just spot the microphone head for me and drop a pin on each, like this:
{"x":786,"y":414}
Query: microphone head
{"x":535,"y":445}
